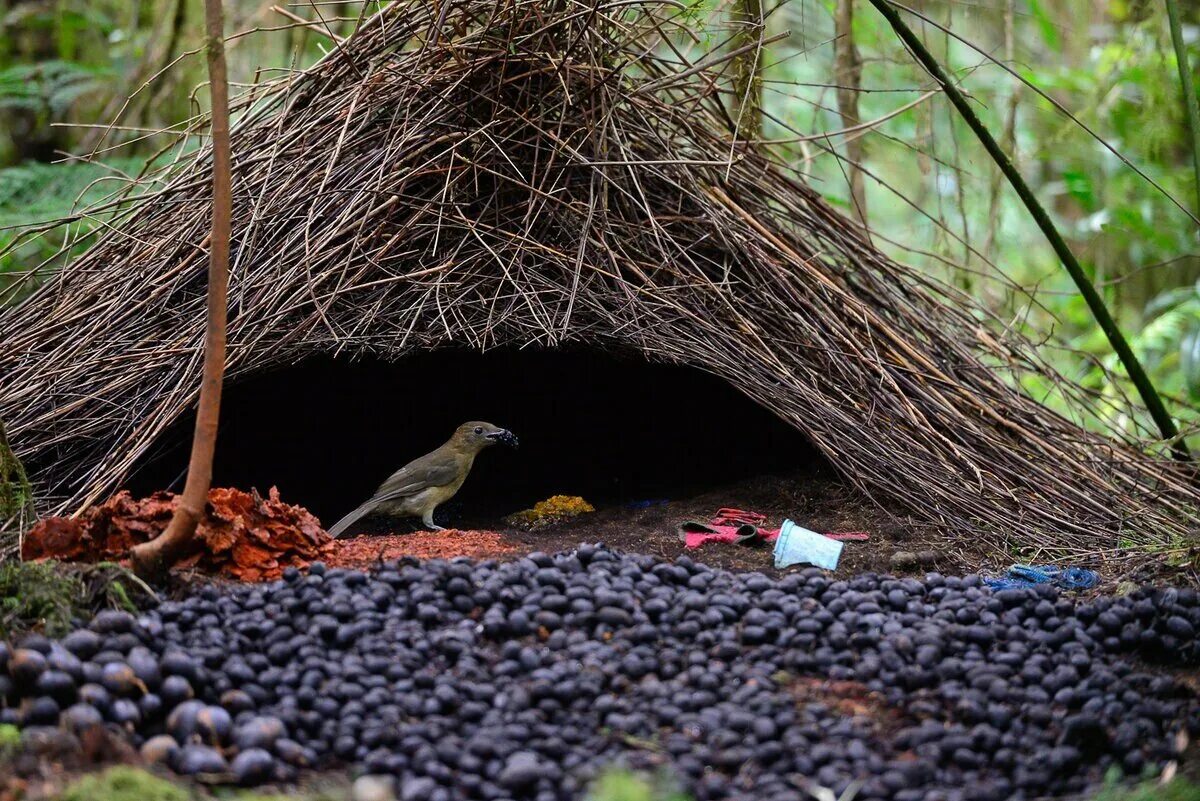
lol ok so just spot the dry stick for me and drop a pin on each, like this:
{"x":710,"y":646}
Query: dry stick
{"x":154,"y":558}
{"x":1189,"y":91}
{"x":1133,"y":367}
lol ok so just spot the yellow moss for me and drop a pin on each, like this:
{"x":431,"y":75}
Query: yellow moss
{"x":554,"y":509}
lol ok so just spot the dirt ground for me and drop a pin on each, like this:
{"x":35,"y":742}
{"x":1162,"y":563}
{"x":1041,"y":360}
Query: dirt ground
{"x":814,"y":500}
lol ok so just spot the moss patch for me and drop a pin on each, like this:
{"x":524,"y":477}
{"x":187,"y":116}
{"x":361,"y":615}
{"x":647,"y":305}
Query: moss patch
{"x":16,"y":497}
{"x":37,"y":597}
{"x":622,"y":785}
{"x":123,"y":783}
{"x":46,"y":596}
{"x":10,"y":739}
{"x":1178,"y":789}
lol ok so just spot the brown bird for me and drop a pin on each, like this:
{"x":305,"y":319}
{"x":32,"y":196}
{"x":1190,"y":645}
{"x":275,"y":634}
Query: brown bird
{"x":418,"y":488}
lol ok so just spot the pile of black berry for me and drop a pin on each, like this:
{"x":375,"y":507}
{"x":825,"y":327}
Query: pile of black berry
{"x":521,"y":680}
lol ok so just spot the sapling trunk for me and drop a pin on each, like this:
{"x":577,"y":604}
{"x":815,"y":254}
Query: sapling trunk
{"x":1190,"y":103}
{"x":153,"y":559}
{"x":848,"y":69}
{"x":747,"y":68}
{"x":16,"y":497}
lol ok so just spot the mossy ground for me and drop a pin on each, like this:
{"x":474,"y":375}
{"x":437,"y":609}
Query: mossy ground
{"x":621,"y":785}
{"x":123,"y":783}
{"x":127,"y":783}
{"x":1178,"y":789}
{"x":47,"y":596}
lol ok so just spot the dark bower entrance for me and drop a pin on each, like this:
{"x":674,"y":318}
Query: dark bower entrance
{"x":615,"y":431}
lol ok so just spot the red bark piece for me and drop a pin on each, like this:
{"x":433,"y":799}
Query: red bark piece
{"x":243,"y":535}
{"x":53,"y":536}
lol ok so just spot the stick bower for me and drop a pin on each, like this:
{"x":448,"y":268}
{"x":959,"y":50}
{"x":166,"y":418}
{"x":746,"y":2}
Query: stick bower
{"x":535,"y":174}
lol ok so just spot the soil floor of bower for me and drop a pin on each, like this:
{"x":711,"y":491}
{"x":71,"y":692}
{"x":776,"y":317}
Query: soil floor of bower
{"x":818,"y":501}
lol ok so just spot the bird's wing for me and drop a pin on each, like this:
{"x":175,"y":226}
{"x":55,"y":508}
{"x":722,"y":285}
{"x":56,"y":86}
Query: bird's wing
{"x":431,"y":470}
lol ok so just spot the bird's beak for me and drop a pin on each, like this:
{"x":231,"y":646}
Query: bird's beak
{"x":505,"y":436}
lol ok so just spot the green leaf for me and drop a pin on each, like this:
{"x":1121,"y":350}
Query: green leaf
{"x":1189,"y":363}
{"x":1046,"y":25}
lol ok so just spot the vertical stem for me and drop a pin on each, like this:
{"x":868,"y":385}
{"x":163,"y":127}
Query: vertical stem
{"x":1008,"y":139}
{"x":747,"y":68}
{"x":848,"y":72}
{"x":16,"y":496}
{"x":1133,"y":367}
{"x":1189,"y":90}
{"x":153,"y":559}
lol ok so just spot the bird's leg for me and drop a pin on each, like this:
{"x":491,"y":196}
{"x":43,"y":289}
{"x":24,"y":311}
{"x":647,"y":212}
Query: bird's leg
{"x":427,"y":519}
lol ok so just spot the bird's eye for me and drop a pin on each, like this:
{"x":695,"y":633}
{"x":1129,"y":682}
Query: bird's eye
{"x":478,"y":429}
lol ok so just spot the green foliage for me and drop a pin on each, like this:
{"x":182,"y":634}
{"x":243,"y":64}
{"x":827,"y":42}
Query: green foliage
{"x":16,"y":496}
{"x":47,"y":596}
{"x":1178,"y":789}
{"x":698,"y":13}
{"x":127,"y":783}
{"x":1170,"y":340}
{"x":10,"y":738}
{"x":37,"y":596}
{"x":32,"y":193}
{"x":622,"y":785}
{"x":1113,"y":66}
{"x":123,"y":783}
{"x":50,"y":87}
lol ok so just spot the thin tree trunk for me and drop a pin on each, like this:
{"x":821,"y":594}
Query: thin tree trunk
{"x":1190,"y":103}
{"x":16,"y":497}
{"x":1008,"y":138}
{"x":848,"y":72}
{"x":178,"y":21}
{"x":153,"y":559}
{"x":747,"y":68}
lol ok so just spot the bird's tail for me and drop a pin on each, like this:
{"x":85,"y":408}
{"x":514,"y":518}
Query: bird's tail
{"x":339,"y":528}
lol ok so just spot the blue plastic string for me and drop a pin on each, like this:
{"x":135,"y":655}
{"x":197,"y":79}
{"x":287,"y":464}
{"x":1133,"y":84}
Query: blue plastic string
{"x":1066,"y":578}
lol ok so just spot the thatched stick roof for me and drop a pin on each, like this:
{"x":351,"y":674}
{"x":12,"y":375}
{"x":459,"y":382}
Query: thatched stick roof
{"x":534,"y":173}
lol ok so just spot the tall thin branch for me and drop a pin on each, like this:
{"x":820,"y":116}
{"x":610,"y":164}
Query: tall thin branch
{"x":747,"y":67}
{"x":848,"y":71}
{"x":153,"y":559}
{"x":1189,"y":90}
{"x":1008,"y":139}
{"x":1150,"y":397}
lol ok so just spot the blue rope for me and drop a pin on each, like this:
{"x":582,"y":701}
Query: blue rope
{"x":1066,"y":578}
{"x":647,"y":503}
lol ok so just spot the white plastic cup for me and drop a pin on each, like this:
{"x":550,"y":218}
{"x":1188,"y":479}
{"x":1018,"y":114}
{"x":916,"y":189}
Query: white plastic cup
{"x":797,"y":545}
